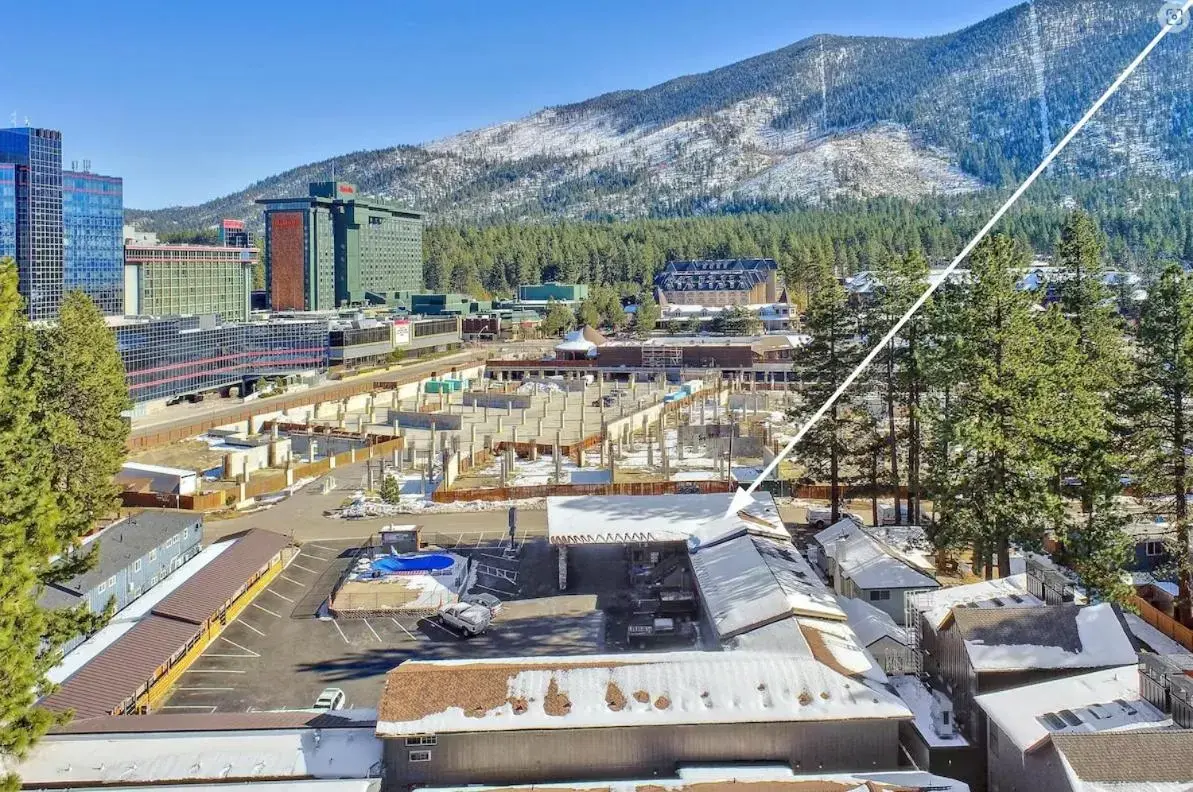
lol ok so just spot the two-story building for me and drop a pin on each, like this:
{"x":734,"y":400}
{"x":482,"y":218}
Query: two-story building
{"x":133,"y":555}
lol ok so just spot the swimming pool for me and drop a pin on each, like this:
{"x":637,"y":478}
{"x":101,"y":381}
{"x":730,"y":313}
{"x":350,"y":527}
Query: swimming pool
{"x":424,"y":562}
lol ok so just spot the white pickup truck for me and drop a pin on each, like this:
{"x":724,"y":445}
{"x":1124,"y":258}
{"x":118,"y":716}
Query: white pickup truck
{"x":467,"y":618}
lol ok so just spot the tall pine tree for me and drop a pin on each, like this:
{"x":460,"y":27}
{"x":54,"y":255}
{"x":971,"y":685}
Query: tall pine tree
{"x":34,"y":530}
{"x":1161,"y":412}
{"x":822,"y":365}
{"x":997,"y":484}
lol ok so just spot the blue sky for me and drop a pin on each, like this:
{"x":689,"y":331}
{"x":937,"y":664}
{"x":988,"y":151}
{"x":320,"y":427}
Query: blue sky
{"x":190,"y":100}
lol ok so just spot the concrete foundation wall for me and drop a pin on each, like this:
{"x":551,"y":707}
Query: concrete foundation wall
{"x":500,"y":401}
{"x":420,"y":420}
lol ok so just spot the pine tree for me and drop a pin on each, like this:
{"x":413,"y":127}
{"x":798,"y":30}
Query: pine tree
{"x":587,"y":314}
{"x":33,"y":532}
{"x":827,"y":451}
{"x":390,"y":490}
{"x":1088,"y":365}
{"x":998,"y":483}
{"x":1160,"y":401}
{"x":558,"y":319}
{"x":82,"y":398}
{"x":646,"y":318}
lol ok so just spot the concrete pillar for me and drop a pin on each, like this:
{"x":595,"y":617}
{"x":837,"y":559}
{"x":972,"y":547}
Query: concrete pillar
{"x":273,"y":453}
{"x":539,"y":430}
{"x":649,"y":449}
{"x":289,"y":476}
{"x":514,"y":437}
{"x":273,"y":432}
{"x":534,"y":449}
{"x":500,"y":424}
{"x":229,"y":473}
{"x":471,"y":438}
{"x":243,"y":492}
{"x":351,"y":454}
{"x":331,"y":461}
{"x":509,"y":409}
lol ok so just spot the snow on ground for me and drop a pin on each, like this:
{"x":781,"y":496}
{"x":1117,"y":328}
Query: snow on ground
{"x":922,"y":703}
{"x":541,"y":471}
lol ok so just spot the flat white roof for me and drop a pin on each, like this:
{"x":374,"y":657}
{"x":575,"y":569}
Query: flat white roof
{"x":1099,"y":701}
{"x":625,"y":690}
{"x":126,"y":619}
{"x":153,"y":757}
{"x":299,"y":785}
{"x":1008,"y":592}
{"x":694,"y":779}
{"x":750,"y":581}
{"x":698,"y":520}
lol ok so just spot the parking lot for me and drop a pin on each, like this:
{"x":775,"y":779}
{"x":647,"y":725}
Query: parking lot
{"x":280,"y":654}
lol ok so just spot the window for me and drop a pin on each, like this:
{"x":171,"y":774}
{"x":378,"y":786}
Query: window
{"x":879,"y":596}
{"x":420,"y":756}
{"x":1154,"y":548}
{"x":112,"y":582}
{"x":136,"y":566}
{"x":425,"y":739}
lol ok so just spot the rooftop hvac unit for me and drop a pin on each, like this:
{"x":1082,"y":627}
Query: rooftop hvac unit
{"x":942,"y":715}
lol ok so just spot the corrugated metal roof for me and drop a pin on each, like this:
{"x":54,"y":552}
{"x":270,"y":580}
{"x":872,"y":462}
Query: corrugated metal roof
{"x":104,"y":683}
{"x":218,"y":581}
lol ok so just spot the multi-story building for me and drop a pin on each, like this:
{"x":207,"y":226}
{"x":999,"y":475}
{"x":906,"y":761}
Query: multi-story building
{"x":233,"y":234}
{"x":335,"y":248}
{"x":568,"y":293}
{"x":92,"y":239}
{"x":64,"y":228}
{"x":8,"y":210}
{"x":175,"y":280}
{"x":133,"y":555}
{"x":36,"y":155}
{"x":718,"y":282}
{"x":179,"y":356}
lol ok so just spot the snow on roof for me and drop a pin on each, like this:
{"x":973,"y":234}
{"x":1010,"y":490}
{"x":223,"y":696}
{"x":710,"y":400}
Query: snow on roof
{"x":936,"y":606}
{"x":749,"y":581}
{"x":126,"y":619}
{"x":148,"y":758}
{"x":744,"y":778}
{"x":1099,"y":701}
{"x":869,"y":623}
{"x":841,"y":529}
{"x":836,"y":645}
{"x":422,"y":697}
{"x":1157,"y":641}
{"x":698,"y":520}
{"x":1057,"y":636}
{"x":870,"y":564}
{"x":575,"y":342}
{"x":923,"y":702}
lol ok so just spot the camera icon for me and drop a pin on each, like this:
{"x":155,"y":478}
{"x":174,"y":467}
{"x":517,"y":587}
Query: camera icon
{"x":1173,"y":15}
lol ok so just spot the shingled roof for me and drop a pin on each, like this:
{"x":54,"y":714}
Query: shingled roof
{"x":1129,"y":756}
{"x":1056,"y":636}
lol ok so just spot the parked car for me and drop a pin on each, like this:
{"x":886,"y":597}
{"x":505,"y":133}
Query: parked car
{"x":330,"y":699}
{"x":821,"y":518}
{"x":466,"y":618}
{"x":487,"y":600}
{"x":886,"y":515}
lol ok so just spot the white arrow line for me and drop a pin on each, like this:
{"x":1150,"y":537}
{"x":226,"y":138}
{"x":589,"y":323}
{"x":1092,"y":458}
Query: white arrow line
{"x":743,"y":498}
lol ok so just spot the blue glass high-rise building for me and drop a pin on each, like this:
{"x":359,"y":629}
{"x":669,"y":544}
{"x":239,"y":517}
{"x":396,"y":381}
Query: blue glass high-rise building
{"x":37,"y":157}
{"x":8,"y":211}
{"x":64,"y":235}
{"x":93,"y":238}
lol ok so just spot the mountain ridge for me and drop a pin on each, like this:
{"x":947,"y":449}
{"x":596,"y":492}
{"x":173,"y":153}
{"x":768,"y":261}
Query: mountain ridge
{"x":824,"y":117}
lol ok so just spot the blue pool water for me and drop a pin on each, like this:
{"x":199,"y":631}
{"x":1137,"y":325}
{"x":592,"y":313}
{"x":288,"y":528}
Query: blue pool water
{"x":419,"y":563}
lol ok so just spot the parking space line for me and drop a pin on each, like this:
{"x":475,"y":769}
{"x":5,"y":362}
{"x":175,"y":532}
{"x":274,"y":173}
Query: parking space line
{"x":440,"y":626}
{"x":374,"y":632}
{"x":283,"y":596}
{"x":205,"y":688}
{"x":321,"y":547}
{"x":267,"y":610}
{"x":292,"y":580}
{"x":402,"y":628}
{"x":251,"y":627}
{"x":238,"y":646}
{"x":489,"y":588}
{"x":304,"y":569}
{"x":340,"y":631}
{"x":213,"y":671}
